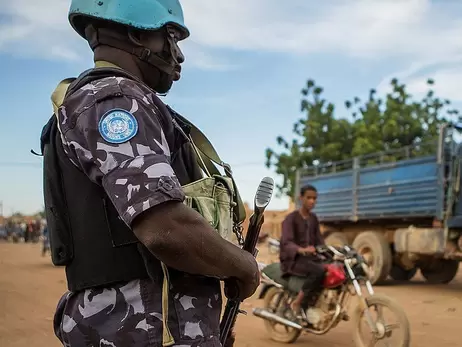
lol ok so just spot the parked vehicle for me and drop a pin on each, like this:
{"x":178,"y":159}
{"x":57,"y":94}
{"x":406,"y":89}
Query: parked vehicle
{"x":347,"y":271}
{"x":402,"y":210}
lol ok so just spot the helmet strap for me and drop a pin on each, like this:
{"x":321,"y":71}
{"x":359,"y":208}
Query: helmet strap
{"x":144,"y":54}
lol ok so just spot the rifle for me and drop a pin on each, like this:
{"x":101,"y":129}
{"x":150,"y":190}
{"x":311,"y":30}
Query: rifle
{"x":262,"y":199}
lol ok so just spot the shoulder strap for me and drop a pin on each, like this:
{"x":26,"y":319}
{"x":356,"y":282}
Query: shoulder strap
{"x":69,"y":85}
{"x":97,"y":73}
{"x":47,"y":133}
{"x":209,"y":157}
{"x":58,"y":95}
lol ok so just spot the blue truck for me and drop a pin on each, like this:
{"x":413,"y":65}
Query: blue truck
{"x":401,"y":209}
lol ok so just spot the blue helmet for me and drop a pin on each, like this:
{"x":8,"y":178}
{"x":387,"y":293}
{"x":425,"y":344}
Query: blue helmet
{"x":139,"y":14}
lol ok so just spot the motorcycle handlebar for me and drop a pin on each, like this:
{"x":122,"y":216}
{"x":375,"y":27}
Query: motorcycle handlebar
{"x":330,"y":250}
{"x":323,"y":249}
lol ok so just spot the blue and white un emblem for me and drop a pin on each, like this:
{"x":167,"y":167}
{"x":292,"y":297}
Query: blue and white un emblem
{"x":118,"y":126}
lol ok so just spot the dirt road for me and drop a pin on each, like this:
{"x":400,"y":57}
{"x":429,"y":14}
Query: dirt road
{"x":30,"y":287}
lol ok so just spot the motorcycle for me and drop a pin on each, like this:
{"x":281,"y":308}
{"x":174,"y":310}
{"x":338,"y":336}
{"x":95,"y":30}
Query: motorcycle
{"x":346,"y":270}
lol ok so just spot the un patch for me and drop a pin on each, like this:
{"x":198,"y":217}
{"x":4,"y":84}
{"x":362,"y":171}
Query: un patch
{"x":118,"y":126}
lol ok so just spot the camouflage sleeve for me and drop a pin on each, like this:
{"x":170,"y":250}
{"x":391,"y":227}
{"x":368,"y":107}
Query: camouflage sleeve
{"x":121,"y":144}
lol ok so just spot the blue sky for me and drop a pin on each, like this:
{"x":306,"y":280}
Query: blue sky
{"x":246,"y":62}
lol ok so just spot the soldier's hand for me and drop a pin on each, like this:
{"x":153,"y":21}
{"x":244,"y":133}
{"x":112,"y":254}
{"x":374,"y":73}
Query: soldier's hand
{"x":248,"y":282}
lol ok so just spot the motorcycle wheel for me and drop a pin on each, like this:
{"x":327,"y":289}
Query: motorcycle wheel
{"x":287,"y":334}
{"x":384,"y":330}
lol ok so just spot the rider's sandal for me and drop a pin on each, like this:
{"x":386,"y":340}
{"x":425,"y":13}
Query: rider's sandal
{"x":297,"y":311}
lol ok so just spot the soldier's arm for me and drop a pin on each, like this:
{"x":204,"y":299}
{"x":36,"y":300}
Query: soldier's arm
{"x":138,"y":178}
{"x":183,"y":240}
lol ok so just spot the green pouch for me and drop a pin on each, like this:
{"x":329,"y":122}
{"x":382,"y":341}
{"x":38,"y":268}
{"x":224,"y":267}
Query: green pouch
{"x":212,"y":197}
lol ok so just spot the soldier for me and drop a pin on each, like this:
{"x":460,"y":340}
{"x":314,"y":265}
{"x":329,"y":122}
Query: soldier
{"x":143,"y":268}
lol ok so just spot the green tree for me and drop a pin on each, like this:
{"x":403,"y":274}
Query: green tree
{"x":319,"y":137}
{"x":398,"y":121}
{"x":378,"y":124}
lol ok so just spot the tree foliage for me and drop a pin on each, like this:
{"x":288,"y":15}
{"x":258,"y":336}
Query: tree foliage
{"x":377,"y":124}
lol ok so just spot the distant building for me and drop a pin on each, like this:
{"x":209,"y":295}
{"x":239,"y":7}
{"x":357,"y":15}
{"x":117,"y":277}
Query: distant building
{"x":273,"y":220}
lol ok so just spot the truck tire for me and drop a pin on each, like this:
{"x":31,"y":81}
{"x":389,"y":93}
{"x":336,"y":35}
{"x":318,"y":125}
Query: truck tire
{"x":374,"y":247}
{"x":440,"y":271}
{"x":336,"y":239}
{"x":398,"y":273}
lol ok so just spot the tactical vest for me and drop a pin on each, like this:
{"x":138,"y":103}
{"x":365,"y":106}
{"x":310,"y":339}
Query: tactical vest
{"x":86,"y":233}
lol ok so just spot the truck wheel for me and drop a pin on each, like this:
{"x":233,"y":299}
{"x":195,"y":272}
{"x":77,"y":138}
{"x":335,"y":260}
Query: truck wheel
{"x":440,"y":271}
{"x":336,"y":239}
{"x":374,"y":247}
{"x":398,"y":273}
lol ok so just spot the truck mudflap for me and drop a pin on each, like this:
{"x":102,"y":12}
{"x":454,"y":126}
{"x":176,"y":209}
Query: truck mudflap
{"x":425,"y":241}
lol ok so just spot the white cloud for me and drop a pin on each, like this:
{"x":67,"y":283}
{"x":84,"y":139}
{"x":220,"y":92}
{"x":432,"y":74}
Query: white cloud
{"x":448,"y":84}
{"x":413,"y":29}
{"x":362,"y":28}
{"x":31,"y":29}
{"x":201,"y":57}
{"x":420,"y":34}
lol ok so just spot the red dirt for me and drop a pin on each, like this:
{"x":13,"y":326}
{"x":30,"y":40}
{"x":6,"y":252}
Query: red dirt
{"x":30,"y":288}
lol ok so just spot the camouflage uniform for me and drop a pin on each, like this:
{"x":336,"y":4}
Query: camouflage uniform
{"x":136,"y":176}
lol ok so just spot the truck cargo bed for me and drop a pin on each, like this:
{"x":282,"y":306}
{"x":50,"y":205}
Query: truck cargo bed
{"x":407,"y":188}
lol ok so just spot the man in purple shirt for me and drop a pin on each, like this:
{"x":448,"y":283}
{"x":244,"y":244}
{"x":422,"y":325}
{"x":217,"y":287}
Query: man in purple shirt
{"x":300,"y":235}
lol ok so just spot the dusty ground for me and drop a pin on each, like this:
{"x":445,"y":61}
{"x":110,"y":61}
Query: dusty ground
{"x":30,"y":287}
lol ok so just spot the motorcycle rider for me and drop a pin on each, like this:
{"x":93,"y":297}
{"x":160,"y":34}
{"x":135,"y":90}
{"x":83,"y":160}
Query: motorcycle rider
{"x":300,"y":235}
